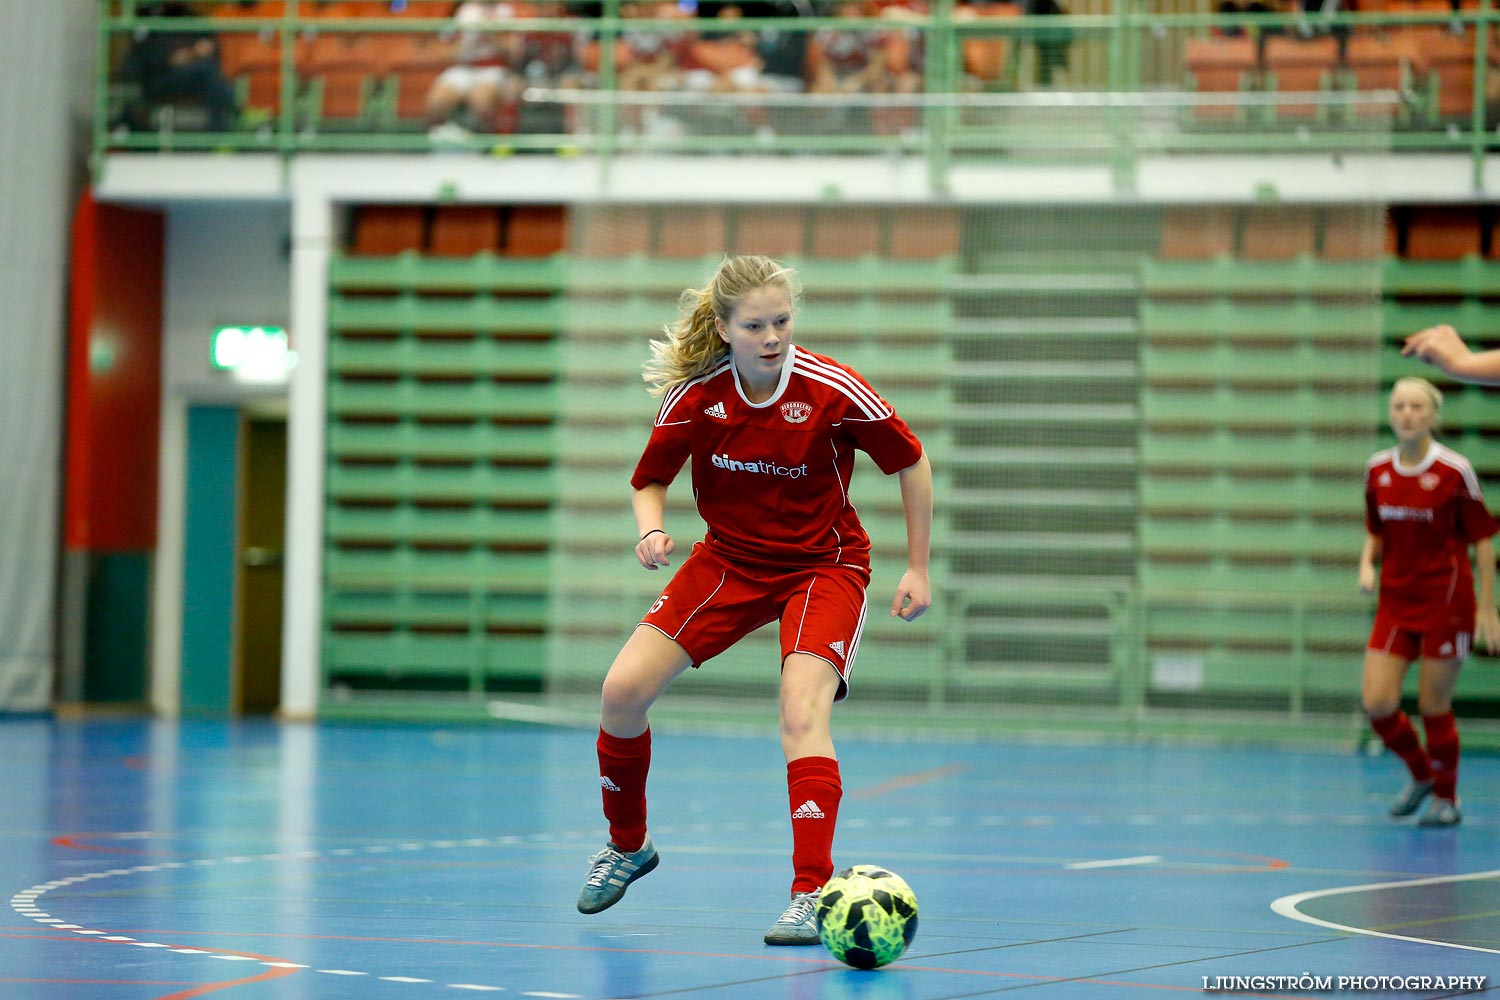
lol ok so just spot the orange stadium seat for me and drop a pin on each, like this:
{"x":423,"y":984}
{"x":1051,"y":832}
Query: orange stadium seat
{"x":1302,"y":65}
{"x":536,"y":230}
{"x":1358,"y":234}
{"x":1443,"y":232}
{"x":1278,"y":233}
{"x":1376,"y":62}
{"x":1219,"y":65}
{"x":777,"y":231}
{"x":464,"y":230}
{"x":690,"y":232}
{"x":1196,"y":233}
{"x":1448,"y":61}
{"x":845,"y":233}
{"x":615,"y":231}
{"x":923,"y":233}
{"x":345,"y":66}
{"x":383,"y":230}
{"x":255,"y":60}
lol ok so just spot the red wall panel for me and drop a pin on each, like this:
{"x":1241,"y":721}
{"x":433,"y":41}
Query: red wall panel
{"x":114,"y":377}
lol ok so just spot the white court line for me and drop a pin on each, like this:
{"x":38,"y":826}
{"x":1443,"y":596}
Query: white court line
{"x":1144,"y":859}
{"x":1287,"y":907}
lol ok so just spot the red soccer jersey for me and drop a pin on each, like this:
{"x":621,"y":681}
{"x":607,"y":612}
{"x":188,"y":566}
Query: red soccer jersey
{"x":1426,"y":517}
{"x":772,"y":479}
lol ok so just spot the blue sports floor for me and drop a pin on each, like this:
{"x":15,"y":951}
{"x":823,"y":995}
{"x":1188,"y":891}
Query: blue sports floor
{"x":249,"y":861}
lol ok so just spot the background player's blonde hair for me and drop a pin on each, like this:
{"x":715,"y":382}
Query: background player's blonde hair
{"x":1433,"y":393}
{"x":692,"y":346}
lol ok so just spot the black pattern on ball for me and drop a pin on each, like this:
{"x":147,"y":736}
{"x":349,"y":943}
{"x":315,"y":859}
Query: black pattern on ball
{"x":867,"y":916}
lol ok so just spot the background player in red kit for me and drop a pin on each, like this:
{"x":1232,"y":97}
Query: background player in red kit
{"x":1423,"y":510}
{"x":771,"y":431}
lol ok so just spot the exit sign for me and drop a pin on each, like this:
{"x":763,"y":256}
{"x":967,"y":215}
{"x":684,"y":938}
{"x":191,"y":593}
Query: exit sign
{"x":258,"y":353}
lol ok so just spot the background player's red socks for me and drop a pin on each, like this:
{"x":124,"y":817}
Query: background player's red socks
{"x":1395,"y":731}
{"x":814,"y":788}
{"x":623,"y":763}
{"x":1442,"y":748}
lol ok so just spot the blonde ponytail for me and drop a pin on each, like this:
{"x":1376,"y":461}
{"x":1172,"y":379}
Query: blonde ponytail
{"x":692,"y":345}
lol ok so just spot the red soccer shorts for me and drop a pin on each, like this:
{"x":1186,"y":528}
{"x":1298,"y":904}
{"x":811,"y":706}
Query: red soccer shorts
{"x":711,"y":604}
{"x":1447,"y":635}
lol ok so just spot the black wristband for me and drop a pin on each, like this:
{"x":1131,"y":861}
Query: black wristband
{"x":652,"y":532}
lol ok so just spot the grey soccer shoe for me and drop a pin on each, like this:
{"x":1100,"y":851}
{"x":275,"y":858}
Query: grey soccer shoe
{"x":610,"y":871}
{"x":1409,"y":798}
{"x":1441,"y":812}
{"x":799,"y":924}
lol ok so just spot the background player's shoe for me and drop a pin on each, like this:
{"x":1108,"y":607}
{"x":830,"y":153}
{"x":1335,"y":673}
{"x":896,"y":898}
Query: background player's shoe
{"x":799,"y":924}
{"x":611,"y":871}
{"x":1410,"y":797}
{"x":1441,"y":812}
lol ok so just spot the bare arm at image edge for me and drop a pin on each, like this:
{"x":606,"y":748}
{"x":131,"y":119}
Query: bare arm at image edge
{"x":1441,"y":347}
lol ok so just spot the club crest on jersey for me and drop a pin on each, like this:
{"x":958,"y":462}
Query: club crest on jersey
{"x":1429,"y":481}
{"x":796,"y":413}
{"x":1384,"y":480}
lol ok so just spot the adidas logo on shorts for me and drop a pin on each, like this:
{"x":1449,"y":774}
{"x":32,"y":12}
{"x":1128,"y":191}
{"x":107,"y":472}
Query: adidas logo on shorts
{"x":808,"y":810}
{"x":837,"y":647}
{"x":717,"y":410}
{"x":607,"y":785}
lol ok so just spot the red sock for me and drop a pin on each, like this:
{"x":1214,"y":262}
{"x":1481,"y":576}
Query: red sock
{"x":623,"y":763}
{"x":1395,"y":731}
{"x":1442,"y":747}
{"x":814,"y":788}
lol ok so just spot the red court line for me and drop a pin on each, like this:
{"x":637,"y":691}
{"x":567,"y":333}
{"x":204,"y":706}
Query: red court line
{"x":195,"y":991}
{"x":909,"y":780}
{"x":71,"y":840}
{"x":208,"y":988}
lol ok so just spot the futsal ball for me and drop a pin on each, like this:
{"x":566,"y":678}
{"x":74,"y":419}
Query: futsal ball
{"x":867,"y":916}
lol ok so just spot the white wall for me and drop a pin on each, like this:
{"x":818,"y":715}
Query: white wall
{"x":38,"y":47}
{"x":226,"y":264}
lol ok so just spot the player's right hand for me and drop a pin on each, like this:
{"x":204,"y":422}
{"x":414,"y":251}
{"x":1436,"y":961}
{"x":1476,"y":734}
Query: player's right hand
{"x":1437,"y":345}
{"x":652,"y":551}
{"x":1367,"y":579}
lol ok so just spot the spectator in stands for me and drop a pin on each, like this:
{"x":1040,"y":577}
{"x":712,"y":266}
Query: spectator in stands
{"x":1052,"y":44}
{"x":1244,"y":7}
{"x":181,"y":66}
{"x":654,"y":60}
{"x":783,"y":53}
{"x":487,"y":62}
{"x":1441,"y":347}
{"x":1423,"y":512}
{"x":724,"y":58}
{"x":849,"y":61}
{"x":550,"y":60}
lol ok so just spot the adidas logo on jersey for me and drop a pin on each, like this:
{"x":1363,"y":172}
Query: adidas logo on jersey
{"x":717,"y":410}
{"x":808,"y":810}
{"x":606,"y":784}
{"x":837,"y":647}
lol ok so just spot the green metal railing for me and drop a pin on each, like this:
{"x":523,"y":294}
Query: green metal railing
{"x":1138,"y":107}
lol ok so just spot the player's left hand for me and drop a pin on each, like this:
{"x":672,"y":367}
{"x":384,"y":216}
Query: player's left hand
{"x":1487,"y":629}
{"x":913,"y":596}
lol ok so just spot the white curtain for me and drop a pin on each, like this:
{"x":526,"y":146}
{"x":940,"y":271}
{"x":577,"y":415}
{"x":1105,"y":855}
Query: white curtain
{"x":38,"y":51}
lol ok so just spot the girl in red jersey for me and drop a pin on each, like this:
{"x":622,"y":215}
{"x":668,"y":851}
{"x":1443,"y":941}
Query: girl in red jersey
{"x":771,"y":431}
{"x":1423,"y":510}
